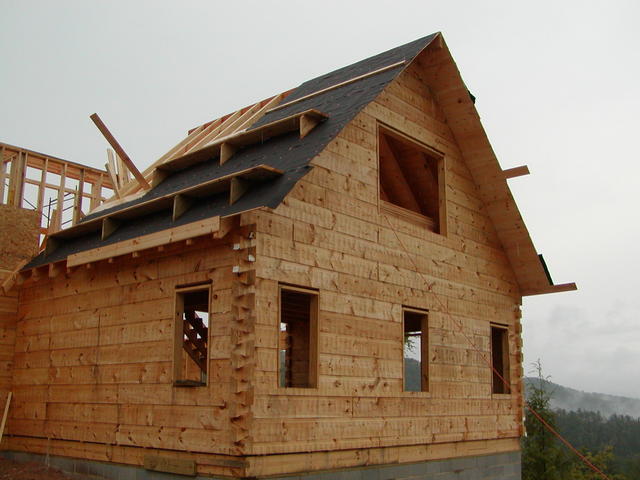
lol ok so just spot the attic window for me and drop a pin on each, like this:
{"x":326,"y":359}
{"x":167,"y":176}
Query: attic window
{"x":191,"y":336}
{"x":500,"y":359}
{"x":297,"y":350}
{"x":411,"y":180}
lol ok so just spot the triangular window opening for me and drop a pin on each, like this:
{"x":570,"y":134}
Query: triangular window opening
{"x":412,"y":178}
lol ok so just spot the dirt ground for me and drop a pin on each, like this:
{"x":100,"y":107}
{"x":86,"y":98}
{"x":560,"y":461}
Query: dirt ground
{"x":10,"y":470}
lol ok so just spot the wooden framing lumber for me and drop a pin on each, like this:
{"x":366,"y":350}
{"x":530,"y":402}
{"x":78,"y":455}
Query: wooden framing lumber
{"x":120,"y":151}
{"x":245,"y":138}
{"x":217,"y":185}
{"x":16,"y":179}
{"x":109,"y":225}
{"x":441,"y":74}
{"x":94,"y":360}
{"x":396,"y":185}
{"x":77,"y":199}
{"x":3,"y":171}
{"x":238,"y":188}
{"x":561,"y":287}
{"x":516,"y":171}
{"x":308,"y":123}
{"x":210,"y":131}
{"x":181,"y":203}
{"x":5,"y":415}
{"x":227,"y":149}
{"x":144,"y":242}
{"x":34,"y":168}
{"x":11,"y":279}
{"x":337,"y":85}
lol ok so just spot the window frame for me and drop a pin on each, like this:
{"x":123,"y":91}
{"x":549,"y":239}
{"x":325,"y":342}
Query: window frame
{"x":314,"y":306}
{"x":178,"y":306}
{"x":425,"y":377}
{"x":505,"y":389}
{"x":386,"y":207}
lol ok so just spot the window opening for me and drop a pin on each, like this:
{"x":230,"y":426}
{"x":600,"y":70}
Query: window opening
{"x":411,"y":176}
{"x":191,"y":337}
{"x":500,"y":359}
{"x":416,"y":351}
{"x":297,"y":352}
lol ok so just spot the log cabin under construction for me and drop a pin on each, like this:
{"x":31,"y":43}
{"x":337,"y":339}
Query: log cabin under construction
{"x":325,"y":283}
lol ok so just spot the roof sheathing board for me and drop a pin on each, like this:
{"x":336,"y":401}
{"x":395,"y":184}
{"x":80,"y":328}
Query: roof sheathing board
{"x":288,"y":153}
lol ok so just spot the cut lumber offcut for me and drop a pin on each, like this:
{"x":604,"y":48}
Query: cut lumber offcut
{"x":226,"y":152}
{"x":516,"y":171}
{"x":109,"y":225}
{"x":238,"y":188}
{"x":308,"y":123}
{"x":120,"y":151}
{"x":181,"y":203}
{"x":5,"y":415}
{"x":559,"y":288}
{"x":12,"y":278}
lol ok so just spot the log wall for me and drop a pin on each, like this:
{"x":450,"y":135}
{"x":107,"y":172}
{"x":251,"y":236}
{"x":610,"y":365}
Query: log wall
{"x":330,"y":234}
{"x":19,"y":232}
{"x":92,"y":373}
{"x":93,"y":347}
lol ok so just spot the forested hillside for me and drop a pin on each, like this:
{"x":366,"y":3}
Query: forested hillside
{"x":611,"y":442}
{"x":571,"y":400}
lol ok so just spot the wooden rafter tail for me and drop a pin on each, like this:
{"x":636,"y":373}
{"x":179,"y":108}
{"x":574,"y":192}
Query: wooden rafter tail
{"x":564,"y":287}
{"x":516,"y":171}
{"x":120,"y":151}
{"x":559,"y":288}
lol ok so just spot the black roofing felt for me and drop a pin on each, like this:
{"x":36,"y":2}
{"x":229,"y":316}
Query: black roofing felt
{"x":288,"y":153}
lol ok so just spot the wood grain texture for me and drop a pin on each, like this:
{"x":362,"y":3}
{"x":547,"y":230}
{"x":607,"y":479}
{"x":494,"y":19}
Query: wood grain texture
{"x":91,"y":357}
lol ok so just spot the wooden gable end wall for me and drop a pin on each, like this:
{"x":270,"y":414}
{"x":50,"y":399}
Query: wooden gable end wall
{"x":330,"y":235}
{"x":92,"y":374}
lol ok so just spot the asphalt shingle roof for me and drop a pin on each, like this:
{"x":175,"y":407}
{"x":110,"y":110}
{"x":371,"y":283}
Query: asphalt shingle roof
{"x":287,"y":153}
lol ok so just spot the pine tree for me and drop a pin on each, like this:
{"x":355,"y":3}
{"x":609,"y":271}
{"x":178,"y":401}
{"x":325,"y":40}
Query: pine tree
{"x":542,"y":455}
{"x":603,"y":459}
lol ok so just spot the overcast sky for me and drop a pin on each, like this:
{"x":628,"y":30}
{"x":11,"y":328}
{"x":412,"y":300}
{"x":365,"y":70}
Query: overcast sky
{"x":557,"y":86}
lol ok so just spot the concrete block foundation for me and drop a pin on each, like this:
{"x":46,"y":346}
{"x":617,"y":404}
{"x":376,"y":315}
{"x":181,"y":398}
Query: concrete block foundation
{"x":503,"y":466}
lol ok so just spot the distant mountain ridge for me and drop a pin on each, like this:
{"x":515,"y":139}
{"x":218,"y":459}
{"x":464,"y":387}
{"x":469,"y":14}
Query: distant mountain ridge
{"x":571,"y":400}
